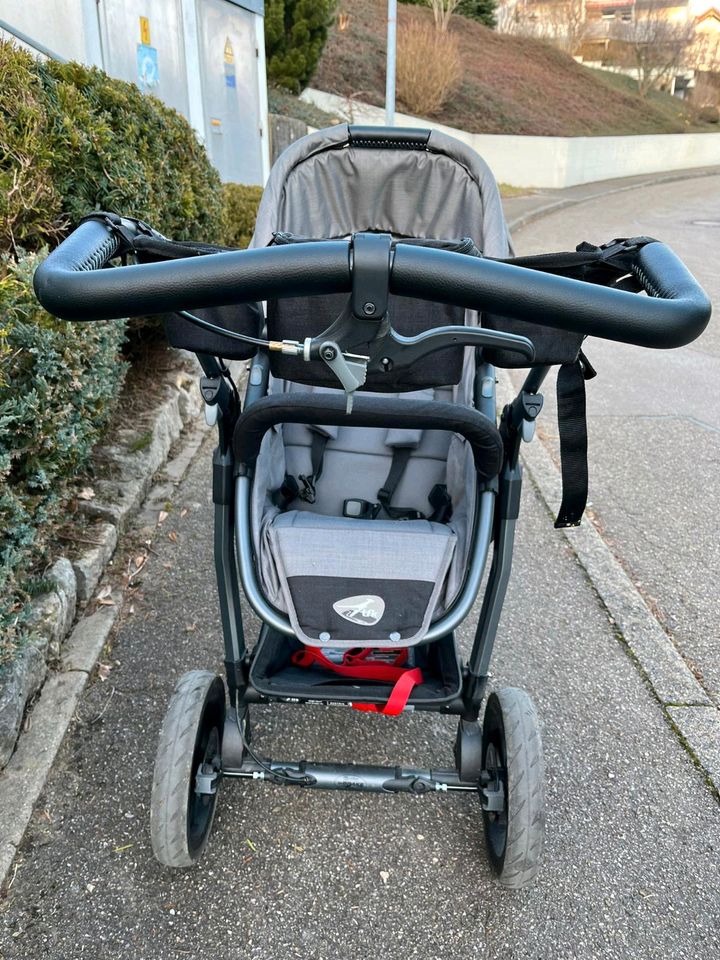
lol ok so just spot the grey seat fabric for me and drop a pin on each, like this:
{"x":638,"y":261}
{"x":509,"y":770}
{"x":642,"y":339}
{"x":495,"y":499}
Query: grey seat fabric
{"x":323,"y":186}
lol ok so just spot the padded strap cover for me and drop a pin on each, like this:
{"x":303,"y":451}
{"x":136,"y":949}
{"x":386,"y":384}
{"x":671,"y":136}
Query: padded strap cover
{"x":329,"y":408}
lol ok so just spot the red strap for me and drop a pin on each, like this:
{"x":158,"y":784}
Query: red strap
{"x":355,"y":665}
{"x":399,"y":696}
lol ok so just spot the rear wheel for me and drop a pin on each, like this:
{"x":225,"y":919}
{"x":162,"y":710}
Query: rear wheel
{"x":514,"y":776}
{"x":188,"y":770}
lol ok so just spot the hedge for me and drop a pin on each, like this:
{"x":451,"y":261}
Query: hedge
{"x":241,"y":203}
{"x":72,"y":140}
{"x":58,"y":381}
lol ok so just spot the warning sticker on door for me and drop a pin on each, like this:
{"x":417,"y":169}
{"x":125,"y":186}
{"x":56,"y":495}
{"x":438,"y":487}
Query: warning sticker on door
{"x":147,"y":66}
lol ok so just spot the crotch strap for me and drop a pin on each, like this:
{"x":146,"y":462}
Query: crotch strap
{"x":359,"y":665}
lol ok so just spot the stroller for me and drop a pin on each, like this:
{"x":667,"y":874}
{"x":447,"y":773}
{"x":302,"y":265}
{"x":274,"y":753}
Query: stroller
{"x":362,"y":482}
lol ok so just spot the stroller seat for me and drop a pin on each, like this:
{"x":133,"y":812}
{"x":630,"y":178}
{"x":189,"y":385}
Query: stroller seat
{"x":349,"y":582}
{"x":347,"y":564}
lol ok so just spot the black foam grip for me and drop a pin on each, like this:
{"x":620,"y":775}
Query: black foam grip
{"x":69,"y":285}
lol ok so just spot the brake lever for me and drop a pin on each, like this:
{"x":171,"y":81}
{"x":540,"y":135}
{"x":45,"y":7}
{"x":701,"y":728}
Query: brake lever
{"x":349,"y":368}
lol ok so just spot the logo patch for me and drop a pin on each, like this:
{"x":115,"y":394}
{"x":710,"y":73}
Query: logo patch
{"x":366,"y":609}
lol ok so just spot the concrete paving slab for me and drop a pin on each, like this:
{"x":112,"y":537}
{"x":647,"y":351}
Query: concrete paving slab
{"x":85,"y":643}
{"x":24,"y":776}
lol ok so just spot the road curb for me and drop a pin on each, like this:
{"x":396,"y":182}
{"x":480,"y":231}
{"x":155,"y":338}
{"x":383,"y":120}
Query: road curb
{"x":523,"y":219}
{"x":686,"y":705}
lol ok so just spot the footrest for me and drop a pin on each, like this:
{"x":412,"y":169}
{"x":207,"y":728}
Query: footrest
{"x":274,"y":674}
{"x":369,"y":583}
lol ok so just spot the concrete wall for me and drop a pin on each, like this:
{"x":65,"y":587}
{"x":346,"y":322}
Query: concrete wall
{"x":554,"y":162}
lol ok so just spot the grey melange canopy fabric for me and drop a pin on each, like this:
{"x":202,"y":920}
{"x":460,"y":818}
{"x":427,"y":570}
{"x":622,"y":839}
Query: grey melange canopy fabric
{"x":323,"y":186}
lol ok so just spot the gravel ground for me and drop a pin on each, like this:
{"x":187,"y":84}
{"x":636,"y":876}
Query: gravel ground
{"x":631,"y":862}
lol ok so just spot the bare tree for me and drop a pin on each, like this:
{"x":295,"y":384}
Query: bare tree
{"x":442,"y":11}
{"x":567,"y":25}
{"x":704,"y":51}
{"x":507,"y":16}
{"x":653,"y":46}
{"x":704,"y":58}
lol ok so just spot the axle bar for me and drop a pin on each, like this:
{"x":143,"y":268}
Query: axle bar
{"x":352,"y":776}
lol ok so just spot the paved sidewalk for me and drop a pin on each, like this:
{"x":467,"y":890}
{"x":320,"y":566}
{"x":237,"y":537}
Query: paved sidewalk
{"x":631,"y":868}
{"x":654,"y":421}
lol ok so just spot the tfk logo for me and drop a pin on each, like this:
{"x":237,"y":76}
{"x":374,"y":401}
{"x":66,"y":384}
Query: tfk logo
{"x":366,"y":610}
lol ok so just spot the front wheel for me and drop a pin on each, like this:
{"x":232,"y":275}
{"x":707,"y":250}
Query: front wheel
{"x":514,"y":776}
{"x":188,"y":768}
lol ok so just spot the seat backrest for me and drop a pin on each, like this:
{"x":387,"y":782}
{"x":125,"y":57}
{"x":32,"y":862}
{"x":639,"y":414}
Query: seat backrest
{"x":418,"y":184}
{"x":342,"y":180}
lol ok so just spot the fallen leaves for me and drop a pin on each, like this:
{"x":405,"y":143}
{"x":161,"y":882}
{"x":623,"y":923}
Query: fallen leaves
{"x":104,"y":596}
{"x":104,"y":670}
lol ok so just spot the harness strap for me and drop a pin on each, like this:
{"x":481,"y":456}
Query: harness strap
{"x":572,"y":427}
{"x":358,"y":666}
{"x":400,"y":458}
{"x":317,"y":455}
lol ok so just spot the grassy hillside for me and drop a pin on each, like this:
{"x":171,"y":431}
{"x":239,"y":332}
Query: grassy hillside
{"x":510,"y":84}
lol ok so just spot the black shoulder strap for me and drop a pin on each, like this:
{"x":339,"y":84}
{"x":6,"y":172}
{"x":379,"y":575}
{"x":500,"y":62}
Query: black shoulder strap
{"x":317,"y":455}
{"x":400,"y":458}
{"x":572,"y":427}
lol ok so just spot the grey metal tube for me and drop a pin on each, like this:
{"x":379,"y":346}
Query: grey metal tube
{"x":463,"y":605}
{"x":246,"y":562}
{"x":279,"y":621}
{"x":35,"y":44}
{"x":353,"y":776}
{"x":391,"y":61}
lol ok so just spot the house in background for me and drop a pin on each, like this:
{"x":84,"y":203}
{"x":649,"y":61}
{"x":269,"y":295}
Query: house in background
{"x":601,"y":33}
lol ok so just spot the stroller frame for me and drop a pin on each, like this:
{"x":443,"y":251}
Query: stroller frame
{"x":495,"y":523}
{"x":203,"y":738}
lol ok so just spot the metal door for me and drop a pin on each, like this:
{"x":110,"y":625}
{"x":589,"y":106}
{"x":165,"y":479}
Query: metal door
{"x":142,"y":42}
{"x":231,"y":94}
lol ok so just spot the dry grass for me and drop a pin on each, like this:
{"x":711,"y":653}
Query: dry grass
{"x":508,"y":84}
{"x":429,"y":66}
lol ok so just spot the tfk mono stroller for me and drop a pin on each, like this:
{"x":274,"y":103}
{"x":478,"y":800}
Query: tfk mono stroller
{"x":362,"y":482}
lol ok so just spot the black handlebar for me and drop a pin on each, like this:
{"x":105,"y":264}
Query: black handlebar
{"x":69,"y":284}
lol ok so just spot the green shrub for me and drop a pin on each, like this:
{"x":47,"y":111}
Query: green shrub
{"x":295,"y":34}
{"x":58,"y":383}
{"x":241,"y":203}
{"x":29,"y":203}
{"x":73,"y":140}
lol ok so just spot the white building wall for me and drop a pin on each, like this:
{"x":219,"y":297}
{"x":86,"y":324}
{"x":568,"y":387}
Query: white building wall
{"x":62,"y":27}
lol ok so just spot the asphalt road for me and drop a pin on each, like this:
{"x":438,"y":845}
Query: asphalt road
{"x":654,"y":420}
{"x":631,"y":861}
